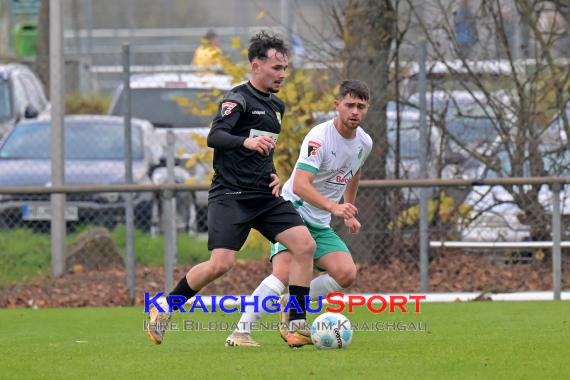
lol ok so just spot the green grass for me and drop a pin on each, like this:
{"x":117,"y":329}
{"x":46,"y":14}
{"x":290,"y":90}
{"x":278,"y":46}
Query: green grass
{"x":494,"y":340}
{"x":150,"y":250}
{"x":25,"y":255}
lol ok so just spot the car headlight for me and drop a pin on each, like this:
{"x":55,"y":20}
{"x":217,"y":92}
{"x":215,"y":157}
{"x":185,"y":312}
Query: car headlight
{"x":108,"y":197}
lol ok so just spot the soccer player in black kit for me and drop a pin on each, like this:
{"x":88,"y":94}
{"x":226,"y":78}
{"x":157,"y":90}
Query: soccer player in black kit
{"x":245,"y":189}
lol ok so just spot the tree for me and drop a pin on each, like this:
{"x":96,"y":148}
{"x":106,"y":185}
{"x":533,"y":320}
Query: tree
{"x":370,"y":38}
{"x":369,"y":33}
{"x":520,"y":94}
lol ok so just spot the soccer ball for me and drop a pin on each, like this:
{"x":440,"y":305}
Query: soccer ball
{"x":331,"y":330}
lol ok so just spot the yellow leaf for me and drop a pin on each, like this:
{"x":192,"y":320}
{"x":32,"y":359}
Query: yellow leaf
{"x":236,"y":42}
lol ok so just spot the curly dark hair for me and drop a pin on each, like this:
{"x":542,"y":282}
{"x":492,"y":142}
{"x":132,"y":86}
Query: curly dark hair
{"x":356,"y":88}
{"x":262,"y":42}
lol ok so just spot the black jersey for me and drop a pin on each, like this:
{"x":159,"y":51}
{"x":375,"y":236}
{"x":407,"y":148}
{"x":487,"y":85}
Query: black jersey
{"x":239,"y":172}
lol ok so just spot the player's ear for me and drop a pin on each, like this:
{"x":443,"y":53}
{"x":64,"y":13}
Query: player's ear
{"x":255,"y":66}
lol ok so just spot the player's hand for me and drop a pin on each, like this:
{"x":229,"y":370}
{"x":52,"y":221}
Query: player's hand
{"x":275,"y":185}
{"x":344,"y":210}
{"x":260,"y":144}
{"x":353,"y":225}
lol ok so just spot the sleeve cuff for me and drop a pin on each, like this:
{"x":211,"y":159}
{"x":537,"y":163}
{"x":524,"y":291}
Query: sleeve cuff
{"x":307,"y":168}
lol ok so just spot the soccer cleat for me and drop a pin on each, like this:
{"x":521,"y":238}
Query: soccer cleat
{"x":299,"y":338}
{"x":283,"y":317}
{"x":238,"y":339}
{"x":157,"y":325}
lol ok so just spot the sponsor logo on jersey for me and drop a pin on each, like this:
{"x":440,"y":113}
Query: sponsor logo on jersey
{"x":313,"y":147}
{"x":341,"y":178}
{"x":258,"y":112}
{"x":227,"y":108}
{"x":278,"y":116}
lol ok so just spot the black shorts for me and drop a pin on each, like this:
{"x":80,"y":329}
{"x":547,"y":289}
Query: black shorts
{"x":230,"y":220}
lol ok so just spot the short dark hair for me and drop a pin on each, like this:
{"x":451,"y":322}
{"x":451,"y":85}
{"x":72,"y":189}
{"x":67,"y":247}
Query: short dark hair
{"x":356,"y":88}
{"x":211,"y":35}
{"x":262,"y":42}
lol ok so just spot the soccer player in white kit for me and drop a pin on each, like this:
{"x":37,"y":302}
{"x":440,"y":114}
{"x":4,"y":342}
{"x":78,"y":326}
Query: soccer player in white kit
{"x":328,"y":169}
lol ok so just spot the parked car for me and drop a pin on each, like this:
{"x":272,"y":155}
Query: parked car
{"x":21,"y":96}
{"x":467,"y":117}
{"x":94,"y":154}
{"x":496,"y":215}
{"x":176,"y":101}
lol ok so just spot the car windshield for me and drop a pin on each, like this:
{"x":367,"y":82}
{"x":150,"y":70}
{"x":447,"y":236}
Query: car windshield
{"x":169,"y":107}
{"x":471,"y":130}
{"x":84,"y":140}
{"x":555,"y":158}
{"x":409,"y":139}
{"x":5,"y":100}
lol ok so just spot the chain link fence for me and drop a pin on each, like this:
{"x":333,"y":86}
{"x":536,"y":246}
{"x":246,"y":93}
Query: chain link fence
{"x":496,"y":106}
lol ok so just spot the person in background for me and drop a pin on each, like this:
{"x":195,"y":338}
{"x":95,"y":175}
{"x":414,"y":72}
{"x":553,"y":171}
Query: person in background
{"x":209,"y":53}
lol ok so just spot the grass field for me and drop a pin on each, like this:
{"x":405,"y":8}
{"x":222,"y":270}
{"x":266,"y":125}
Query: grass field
{"x":492,"y":340}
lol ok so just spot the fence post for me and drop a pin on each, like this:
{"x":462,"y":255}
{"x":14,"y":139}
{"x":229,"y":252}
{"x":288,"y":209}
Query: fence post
{"x":424,"y":263}
{"x":57,"y":89}
{"x":556,"y":246}
{"x":169,"y":216}
{"x":129,"y":209}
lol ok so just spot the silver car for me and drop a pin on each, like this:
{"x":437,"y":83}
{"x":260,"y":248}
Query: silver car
{"x":94,"y":154}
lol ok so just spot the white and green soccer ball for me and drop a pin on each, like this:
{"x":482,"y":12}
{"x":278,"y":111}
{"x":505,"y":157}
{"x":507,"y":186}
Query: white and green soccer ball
{"x":331,"y":330}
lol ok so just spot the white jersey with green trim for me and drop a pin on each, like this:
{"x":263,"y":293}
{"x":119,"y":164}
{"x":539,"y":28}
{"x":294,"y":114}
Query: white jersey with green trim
{"x":334,"y":160}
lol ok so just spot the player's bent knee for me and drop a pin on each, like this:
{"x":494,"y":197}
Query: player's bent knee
{"x":346,"y":277}
{"x":308,"y":247}
{"x":220,"y":267}
{"x":305,"y":248}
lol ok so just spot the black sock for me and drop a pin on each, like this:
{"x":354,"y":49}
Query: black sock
{"x":299,"y":292}
{"x":182,"y":290}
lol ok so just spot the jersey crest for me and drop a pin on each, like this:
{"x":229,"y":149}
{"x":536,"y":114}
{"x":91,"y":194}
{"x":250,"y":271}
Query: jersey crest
{"x":227,"y":108}
{"x":313,"y":147}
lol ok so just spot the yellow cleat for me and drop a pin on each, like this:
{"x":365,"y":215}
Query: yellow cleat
{"x":283,"y":317}
{"x":238,"y":339}
{"x":157,"y":325}
{"x":299,"y":338}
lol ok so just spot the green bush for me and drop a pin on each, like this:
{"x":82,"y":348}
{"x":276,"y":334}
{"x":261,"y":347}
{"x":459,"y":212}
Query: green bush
{"x":75,"y":104}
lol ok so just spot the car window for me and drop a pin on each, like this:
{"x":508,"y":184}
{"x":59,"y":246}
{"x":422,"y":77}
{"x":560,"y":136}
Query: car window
{"x":409,"y":140}
{"x":20,"y":98}
{"x":83,"y":141}
{"x":5,"y":101}
{"x":471,"y":130}
{"x":171,"y":107}
{"x":33,"y":92}
{"x":409,"y":143}
{"x":556,"y":159}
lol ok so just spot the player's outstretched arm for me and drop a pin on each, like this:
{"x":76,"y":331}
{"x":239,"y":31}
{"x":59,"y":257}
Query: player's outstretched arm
{"x":303,"y":187}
